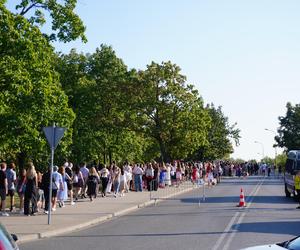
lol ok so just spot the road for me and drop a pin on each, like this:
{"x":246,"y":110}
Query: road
{"x":184,"y":223}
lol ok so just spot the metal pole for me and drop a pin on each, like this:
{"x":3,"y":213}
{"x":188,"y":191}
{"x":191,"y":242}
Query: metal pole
{"x":203,"y":196}
{"x":50,"y":187}
{"x":51,"y":173}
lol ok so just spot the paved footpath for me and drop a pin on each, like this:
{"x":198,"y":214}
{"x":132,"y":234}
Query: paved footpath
{"x":84,"y":213}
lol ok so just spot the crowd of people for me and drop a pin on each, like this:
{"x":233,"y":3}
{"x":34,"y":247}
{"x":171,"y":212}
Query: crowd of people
{"x":79,"y":181}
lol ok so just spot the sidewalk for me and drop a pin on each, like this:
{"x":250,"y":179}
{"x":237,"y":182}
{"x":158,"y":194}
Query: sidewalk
{"x":83,"y":214}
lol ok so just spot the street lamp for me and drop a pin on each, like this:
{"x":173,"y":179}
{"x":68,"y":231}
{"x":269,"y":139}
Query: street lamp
{"x":272,"y":131}
{"x":262,"y":147}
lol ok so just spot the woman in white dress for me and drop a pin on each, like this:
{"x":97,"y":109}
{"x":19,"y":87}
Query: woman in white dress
{"x":62,"y":194}
{"x":128,"y":173}
{"x":123,"y":182}
{"x":168,"y":175}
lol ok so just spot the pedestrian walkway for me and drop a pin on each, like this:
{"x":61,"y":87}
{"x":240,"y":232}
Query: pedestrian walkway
{"x":81,"y":215}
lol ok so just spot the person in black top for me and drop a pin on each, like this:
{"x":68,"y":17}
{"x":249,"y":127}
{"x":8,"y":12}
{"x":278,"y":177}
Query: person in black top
{"x":3,"y":188}
{"x":69,"y":172}
{"x":45,"y":185}
{"x":92,"y":181}
{"x":30,"y":191}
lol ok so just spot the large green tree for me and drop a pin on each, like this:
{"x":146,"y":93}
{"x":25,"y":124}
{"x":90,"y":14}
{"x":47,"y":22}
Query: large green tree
{"x":100,"y":92}
{"x":289,"y":131}
{"x":220,"y":137}
{"x":30,"y":93}
{"x":66,"y":24}
{"x":170,"y":111}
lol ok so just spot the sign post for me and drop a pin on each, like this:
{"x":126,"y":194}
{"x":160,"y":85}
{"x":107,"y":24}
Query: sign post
{"x":53,"y":135}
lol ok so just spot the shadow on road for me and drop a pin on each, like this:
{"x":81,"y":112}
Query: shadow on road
{"x":277,"y":227}
{"x":235,"y":199}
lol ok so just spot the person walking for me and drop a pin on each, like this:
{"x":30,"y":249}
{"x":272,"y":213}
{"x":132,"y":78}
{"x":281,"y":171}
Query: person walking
{"x":3,"y":188}
{"x":21,"y":185}
{"x":62,"y":195}
{"x":104,"y":173}
{"x":30,"y":197}
{"x":123,"y":182}
{"x":69,"y":172}
{"x":149,"y":173}
{"x":85,"y":173}
{"x":116,"y":179}
{"x":45,"y":185}
{"x":11,"y":184}
{"x":92,"y":181}
{"x":138,"y":172}
{"x":40,"y":192}
{"x":77,"y":181}
{"x":297,"y":187}
{"x":128,"y":176}
{"x":57,"y":185}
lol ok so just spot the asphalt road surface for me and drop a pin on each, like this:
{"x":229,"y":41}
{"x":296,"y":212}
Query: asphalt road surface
{"x":189,"y":222}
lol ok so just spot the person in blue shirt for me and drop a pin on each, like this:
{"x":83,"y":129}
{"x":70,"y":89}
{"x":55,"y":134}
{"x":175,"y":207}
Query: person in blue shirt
{"x":11,"y":184}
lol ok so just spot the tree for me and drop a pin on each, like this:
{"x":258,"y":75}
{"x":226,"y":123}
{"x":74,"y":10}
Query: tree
{"x":220,"y":136}
{"x":280,"y":161}
{"x":30,"y":94}
{"x":100,"y":92}
{"x":170,"y":111}
{"x":66,"y":24}
{"x":289,"y":131}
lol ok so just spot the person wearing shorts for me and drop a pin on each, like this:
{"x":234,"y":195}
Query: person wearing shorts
{"x":11,"y":184}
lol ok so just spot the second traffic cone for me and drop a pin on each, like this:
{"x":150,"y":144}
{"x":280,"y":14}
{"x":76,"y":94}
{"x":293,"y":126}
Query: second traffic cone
{"x":242,"y":199}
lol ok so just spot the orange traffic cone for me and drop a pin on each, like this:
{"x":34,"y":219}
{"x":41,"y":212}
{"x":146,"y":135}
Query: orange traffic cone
{"x":242,"y":199}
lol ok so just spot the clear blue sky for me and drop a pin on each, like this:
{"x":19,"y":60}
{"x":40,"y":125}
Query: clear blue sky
{"x":242,"y":55}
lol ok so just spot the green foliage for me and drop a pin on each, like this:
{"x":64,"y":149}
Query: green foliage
{"x":280,"y":160}
{"x":66,"y":24}
{"x":289,"y":130}
{"x":121,"y":114}
{"x":98,"y":86}
{"x":220,"y":135}
{"x":30,"y":93}
{"x":267,"y":160}
{"x":170,"y":111}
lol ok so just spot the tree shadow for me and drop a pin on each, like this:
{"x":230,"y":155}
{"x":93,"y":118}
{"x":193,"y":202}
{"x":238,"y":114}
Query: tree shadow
{"x":276,"y":227}
{"x":234,"y":199}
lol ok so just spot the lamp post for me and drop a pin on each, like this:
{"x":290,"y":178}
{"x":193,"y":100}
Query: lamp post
{"x":262,"y":148}
{"x":272,"y":131}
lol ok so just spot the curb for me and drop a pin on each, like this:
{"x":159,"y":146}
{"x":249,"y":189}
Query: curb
{"x":51,"y":233}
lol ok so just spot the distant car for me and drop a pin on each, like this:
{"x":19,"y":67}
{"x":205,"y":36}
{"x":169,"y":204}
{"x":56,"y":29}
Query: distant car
{"x":7,"y":241}
{"x":293,"y":244}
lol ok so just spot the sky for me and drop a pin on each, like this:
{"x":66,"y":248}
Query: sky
{"x":241,"y":55}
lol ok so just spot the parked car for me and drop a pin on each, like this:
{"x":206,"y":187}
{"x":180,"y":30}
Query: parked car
{"x":7,"y":241}
{"x":293,"y":244}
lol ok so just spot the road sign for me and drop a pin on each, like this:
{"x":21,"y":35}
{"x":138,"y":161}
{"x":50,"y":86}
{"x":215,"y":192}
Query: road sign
{"x":53,"y":135}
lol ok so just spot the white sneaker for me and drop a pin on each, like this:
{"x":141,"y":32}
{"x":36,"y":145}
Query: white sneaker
{"x":4,"y":214}
{"x":72,"y":203}
{"x":21,"y":211}
{"x":53,"y":209}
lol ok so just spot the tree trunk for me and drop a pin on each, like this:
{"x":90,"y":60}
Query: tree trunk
{"x":21,"y":158}
{"x":110,"y":156}
{"x":104,"y":158}
{"x":164,"y":155}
